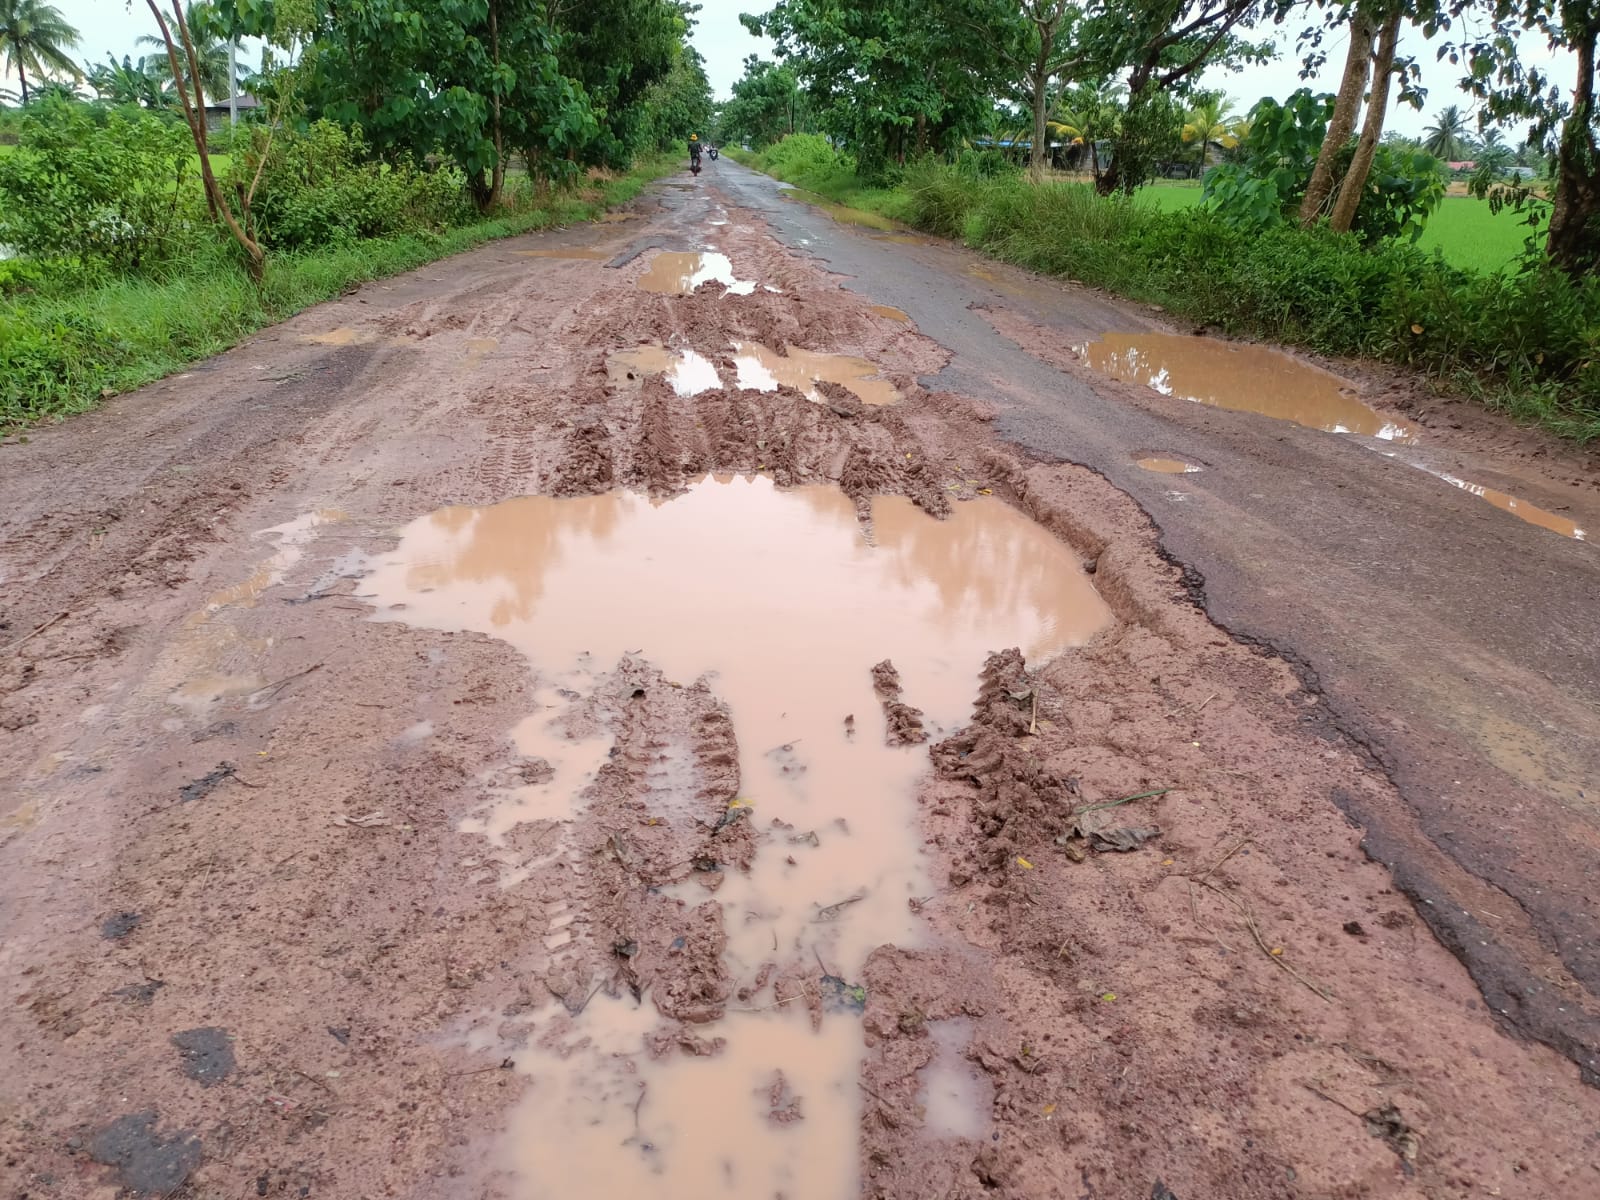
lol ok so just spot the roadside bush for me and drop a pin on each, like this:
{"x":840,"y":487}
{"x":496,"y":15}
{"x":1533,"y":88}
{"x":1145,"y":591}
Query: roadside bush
{"x":806,"y":155}
{"x":1265,"y":187}
{"x":1527,"y":342}
{"x":111,"y":189}
{"x":319,"y":188}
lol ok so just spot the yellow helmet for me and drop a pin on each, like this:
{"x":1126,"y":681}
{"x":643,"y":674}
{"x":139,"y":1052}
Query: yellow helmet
{"x":694,"y":137}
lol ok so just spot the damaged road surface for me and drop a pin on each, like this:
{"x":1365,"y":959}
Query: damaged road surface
{"x":635,"y":712}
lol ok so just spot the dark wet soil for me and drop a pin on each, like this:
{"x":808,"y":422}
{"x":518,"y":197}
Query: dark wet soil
{"x":1169,"y":965}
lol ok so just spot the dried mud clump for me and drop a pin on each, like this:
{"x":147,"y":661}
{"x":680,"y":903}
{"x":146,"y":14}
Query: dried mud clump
{"x":903,"y":724}
{"x":1018,"y":802}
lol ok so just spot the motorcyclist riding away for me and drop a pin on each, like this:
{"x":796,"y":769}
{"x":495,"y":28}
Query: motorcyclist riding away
{"x":694,"y":148}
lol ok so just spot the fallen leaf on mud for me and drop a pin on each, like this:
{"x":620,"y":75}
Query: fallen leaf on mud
{"x":1024,"y":864}
{"x":1048,"y":1109}
{"x":1109,"y":997}
{"x":1123,"y":839}
{"x":985,"y":491}
{"x":364,"y":821}
{"x":1388,"y":1124}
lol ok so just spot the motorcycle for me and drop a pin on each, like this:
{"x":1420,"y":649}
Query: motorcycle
{"x":713,"y":152}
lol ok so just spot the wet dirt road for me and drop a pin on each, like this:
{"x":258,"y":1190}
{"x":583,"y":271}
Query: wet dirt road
{"x":618,"y":712}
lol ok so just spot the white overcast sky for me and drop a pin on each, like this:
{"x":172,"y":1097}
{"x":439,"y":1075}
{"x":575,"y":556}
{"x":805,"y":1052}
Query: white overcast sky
{"x":111,"y":27}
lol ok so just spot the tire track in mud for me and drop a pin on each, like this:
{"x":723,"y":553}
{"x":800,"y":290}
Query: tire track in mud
{"x":1121,"y":1034}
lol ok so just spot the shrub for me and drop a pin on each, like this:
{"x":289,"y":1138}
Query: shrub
{"x":105,"y":188}
{"x":319,"y":188}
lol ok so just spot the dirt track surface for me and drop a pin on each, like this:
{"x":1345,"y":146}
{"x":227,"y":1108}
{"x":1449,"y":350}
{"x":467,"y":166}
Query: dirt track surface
{"x":270,"y":927}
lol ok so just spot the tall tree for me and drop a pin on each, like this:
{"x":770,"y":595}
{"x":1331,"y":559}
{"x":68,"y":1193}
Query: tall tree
{"x":1211,"y":121}
{"x":767,"y":104}
{"x":1446,"y":138}
{"x":1163,"y":45}
{"x":34,"y":36}
{"x":1034,"y":39}
{"x":1346,"y":108}
{"x":1354,"y":184}
{"x":211,"y":49}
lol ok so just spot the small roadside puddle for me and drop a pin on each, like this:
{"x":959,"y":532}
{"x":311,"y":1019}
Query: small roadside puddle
{"x":1166,"y":466}
{"x":1531,"y":513}
{"x":764,"y":369}
{"x":892,"y":313}
{"x":956,"y":1097}
{"x":343,"y":336}
{"x":687,"y":372}
{"x":678,"y":273}
{"x":783,"y":602}
{"x":1243,"y":378}
{"x":843,"y":214}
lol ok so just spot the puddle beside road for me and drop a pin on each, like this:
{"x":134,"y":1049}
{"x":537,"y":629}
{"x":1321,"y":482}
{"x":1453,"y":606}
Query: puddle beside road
{"x":676,"y":273}
{"x":1530,"y":513}
{"x":841,"y":213}
{"x":783,"y":602}
{"x":892,"y":313}
{"x":1242,"y":378}
{"x":689,"y":373}
{"x":764,"y":369}
{"x":1167,"y":466}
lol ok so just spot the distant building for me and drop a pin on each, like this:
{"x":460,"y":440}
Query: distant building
{"x":1462,"y":166}
{"x":217,"y":110}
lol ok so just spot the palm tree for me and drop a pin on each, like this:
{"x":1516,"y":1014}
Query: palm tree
{"x":125,"y":83}
{"x":1087,"y":114}
{"x":34,"y":36}
{"x":1446,"y":138}
{"x":1211,"y":120}
{"x":210,"y":50}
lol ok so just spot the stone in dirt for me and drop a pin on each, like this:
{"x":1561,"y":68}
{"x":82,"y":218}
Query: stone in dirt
{"x":146,"y":1161}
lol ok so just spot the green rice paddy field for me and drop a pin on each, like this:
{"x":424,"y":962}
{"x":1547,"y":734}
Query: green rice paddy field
{"x":1463,"y":229}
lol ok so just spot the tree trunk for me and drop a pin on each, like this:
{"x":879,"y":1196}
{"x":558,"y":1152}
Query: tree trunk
{"x":1343,"y":122}
{"x":22,"y":78}
{"x":498,"y":175}
{"x":1574,"y":243}
{"x":1041,"y":100}
{"x":1355,"y":179}
{"x":194,"y":115}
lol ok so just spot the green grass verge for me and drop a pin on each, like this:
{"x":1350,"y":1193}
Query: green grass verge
{"x":1528,"y":344}
{"x":61,"y":354}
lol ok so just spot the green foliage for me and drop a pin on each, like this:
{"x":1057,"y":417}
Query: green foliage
{"x":767,"y":105}
{"x":111,"y":189}
{"x":60,"y":347}
{"x":34,"y":40}
{"x":320,"y":188}
{"x":1265,"y":187}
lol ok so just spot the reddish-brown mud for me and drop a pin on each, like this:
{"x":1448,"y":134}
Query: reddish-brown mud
{"x":446,"y":759}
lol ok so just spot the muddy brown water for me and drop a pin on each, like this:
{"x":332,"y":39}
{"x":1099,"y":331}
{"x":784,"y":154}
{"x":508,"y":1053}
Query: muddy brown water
{"x":1243,"y":378}
{"x":842,"y":213}
{"x":1506,"y":502}
{"x":678,"y":273}
{"x":688,"y":372}
{"x":1166,"y":466}
{"x":764,"y":369}
{"x":783,"y":600}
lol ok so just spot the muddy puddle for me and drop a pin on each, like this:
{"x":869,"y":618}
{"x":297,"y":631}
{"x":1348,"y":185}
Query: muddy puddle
{"x":343,"y":336}
{"x":678,"y":273}
{"x":688,"y":372}
{"x":782,"y":601}
{"x":1531,"y":513}
{"x":764,"y":369}
{"x":1242,"y":378}
{"x":892,"y":313}
{"x":1166,"y":466}
{"x":841,"y":213}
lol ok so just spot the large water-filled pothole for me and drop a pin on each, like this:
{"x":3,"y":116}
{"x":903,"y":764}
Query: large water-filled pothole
{"x":783,"y":602}
{"x":1240,"y":377}
{"x":679,"y":273}
{"x":758,"y":367}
